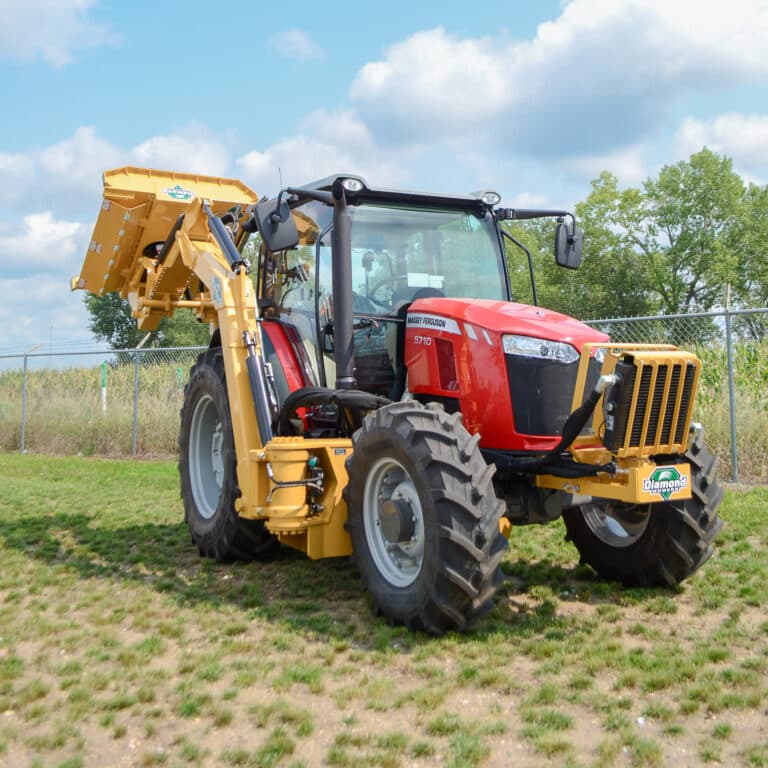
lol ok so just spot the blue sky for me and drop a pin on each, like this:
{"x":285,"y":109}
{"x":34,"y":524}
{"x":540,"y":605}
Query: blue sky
{"x":533,"y":98}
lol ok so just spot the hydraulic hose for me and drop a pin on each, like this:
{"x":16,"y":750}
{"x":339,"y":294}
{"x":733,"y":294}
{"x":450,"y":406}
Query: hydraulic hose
{"x":571,"y":429}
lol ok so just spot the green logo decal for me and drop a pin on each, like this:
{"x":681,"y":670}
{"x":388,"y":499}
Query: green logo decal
{"x":665,"y":481}
{"x":179,"y":193}
{"x":216,"y":293}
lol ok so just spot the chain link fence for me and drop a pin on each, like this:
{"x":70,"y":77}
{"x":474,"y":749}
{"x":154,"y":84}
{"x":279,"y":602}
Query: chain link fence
{"x":118,"y":403}
{"x":733,"y":392}
{"x":107,"y":403}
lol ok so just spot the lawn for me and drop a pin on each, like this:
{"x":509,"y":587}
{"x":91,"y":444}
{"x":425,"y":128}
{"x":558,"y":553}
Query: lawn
{"x":120,"y":646}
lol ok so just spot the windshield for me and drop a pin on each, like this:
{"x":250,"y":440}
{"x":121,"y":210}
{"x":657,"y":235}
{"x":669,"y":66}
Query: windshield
{"x":399,"y":254}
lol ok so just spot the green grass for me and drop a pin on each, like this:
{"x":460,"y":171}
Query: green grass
{"x":116,"y":639}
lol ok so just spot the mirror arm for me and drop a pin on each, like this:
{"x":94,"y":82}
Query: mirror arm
{"x":573,"y":224}
{"x":276,"y":217}
{"x":530,"y":264}
{"x":310,"y":194}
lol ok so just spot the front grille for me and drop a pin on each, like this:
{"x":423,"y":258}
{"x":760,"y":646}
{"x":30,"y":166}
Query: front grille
{"x":650,"y":411}
{"x":542,"y":392}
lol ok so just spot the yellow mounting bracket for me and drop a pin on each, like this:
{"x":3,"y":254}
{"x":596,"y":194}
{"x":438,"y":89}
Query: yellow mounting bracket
{"x":140,"y":211}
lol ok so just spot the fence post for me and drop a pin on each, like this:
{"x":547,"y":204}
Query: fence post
{"x":136,"y":363}
{"x":23,"y":446}
{"x":104,"y":387}
{"x":731,"y":390}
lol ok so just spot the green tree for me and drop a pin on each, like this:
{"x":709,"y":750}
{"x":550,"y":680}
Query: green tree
{"x":670,"y":246}
{"x":689,"y":216}
{"x":749,"y":241}
{"x":183,"y":329}
{"x":613,"y":279}
{"x":111,"y":321}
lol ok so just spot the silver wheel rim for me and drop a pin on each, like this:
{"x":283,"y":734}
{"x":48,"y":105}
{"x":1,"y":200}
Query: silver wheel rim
{"x":206,"y":462}
{"x":615,"y":524}
{"x":399,"y":561}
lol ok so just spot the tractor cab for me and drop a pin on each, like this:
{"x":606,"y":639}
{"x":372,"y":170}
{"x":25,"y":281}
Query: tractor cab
{"x":401,"y":247}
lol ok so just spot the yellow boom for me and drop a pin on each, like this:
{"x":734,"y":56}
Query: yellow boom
{"x":166,"y":240}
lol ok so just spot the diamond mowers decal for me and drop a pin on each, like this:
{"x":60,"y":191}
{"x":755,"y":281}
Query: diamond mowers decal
{"x":665,"y":481}
{"x":178,"y":192}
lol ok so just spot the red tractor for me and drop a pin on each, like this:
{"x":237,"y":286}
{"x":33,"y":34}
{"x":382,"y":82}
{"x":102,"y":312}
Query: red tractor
{"x":371,"y":388}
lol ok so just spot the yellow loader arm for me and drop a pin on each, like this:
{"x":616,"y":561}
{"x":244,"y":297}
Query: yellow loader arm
{"x":166,"y":240}
{"x":132,"y":248}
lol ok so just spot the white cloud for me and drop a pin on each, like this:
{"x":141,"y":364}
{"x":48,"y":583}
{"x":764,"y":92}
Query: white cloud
{"x":81,"y":157}
{"x":48,"y":29}
{"x":744,"y":138}
{"x":38,"y":255}
{"x":343,"y":128}
{"x":296,"y":44}
{"x":297,"y":160}
{"x":66,"y":176}
{"x":432,"y":85}
{"x":41,"y":310}
{"x":597,"y":78}
{"x":40,"y":242}
{"x":326,"y":143}
{"x":628,"y":164}
{"x":193,"y":150}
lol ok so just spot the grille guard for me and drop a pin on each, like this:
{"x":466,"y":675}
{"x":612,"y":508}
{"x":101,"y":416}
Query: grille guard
{"x":648,"y":413}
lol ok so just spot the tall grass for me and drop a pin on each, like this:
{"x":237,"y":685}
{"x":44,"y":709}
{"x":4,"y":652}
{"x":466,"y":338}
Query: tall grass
{"x":64,"y":413}
{"x":750,"y":365}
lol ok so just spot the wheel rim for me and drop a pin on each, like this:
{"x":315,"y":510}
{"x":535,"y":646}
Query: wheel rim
{"x":618,"y":525}
{"x":206,"y":461}
{"x":393,"y":522}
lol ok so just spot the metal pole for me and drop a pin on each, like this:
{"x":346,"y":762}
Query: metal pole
{"x":23,"y":447}
{"x":104,"y":387}
{"x":731,"y":391}
{"x":136,"y":362}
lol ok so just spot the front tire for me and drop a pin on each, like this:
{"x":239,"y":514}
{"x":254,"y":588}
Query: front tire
{"x":657,"y":544}
{"x":208,"y":469}
{"x":423,"y":518}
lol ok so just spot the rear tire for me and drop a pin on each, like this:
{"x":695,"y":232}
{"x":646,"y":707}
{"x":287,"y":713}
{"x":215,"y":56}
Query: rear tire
{"x":208,"y":469}
{"x":423,"y":518}
{"x":653,"y":544}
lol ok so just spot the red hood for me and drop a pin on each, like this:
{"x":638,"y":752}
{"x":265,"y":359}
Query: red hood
{"x":510,"y":317}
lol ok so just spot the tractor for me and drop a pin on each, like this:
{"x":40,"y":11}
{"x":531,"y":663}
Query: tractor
{"x":372,"y":389}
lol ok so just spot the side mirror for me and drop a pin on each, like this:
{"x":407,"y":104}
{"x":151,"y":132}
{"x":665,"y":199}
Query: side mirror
{"x":568,"y":241}
{"x":276,"y":225}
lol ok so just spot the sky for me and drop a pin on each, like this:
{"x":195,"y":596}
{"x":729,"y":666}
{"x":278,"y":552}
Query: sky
{"x":532,"y":98}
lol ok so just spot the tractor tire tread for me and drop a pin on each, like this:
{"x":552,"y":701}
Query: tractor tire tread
{"x":466,"y":574}
{"x":677,"y":540}
{"x":227,"y":536}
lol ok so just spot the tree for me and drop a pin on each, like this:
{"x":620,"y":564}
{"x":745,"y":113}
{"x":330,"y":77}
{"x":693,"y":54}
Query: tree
{"x":111,"y":321}
{"x":690,"y":214}
{"x":749,"y":240}
{"x":670,"y":246}
{"x":612,"y":281}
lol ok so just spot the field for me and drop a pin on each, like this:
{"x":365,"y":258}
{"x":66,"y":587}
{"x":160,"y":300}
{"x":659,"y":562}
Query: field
{"x":119,"y":646}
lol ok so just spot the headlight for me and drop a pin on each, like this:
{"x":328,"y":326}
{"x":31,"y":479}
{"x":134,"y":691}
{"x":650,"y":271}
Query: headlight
{"x":529,"y":346}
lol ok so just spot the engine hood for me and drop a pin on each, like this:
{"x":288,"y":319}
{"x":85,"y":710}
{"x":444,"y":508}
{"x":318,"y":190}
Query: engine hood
{"x":511,"y":317}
